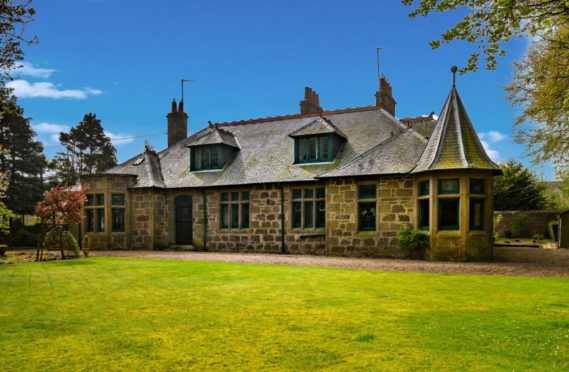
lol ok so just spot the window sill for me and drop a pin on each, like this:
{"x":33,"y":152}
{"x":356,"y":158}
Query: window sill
{"x":314,"y":235}
{"x":315,"y":163}
{"x":206,"y":170}
{"x":234,"y":230}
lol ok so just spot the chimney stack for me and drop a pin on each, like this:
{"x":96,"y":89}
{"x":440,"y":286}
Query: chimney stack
{"x":384,"y":97}
{"x":311,"y":102}
{"x":177,"y":123}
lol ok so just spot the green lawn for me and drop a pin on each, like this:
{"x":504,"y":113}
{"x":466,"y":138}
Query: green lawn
{"x":117,"y":314}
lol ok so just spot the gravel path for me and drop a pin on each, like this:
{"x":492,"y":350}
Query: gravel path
{"x":549,"y":267}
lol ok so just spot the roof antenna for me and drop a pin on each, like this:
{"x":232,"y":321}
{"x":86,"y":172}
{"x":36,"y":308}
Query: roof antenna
{"x":377,"y":50}
{"x":454,"y":69}
{"x":182,"y":81}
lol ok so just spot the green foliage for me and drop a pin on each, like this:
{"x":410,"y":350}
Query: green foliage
{"x":5,"y":215}
{"x":518,"y":189}
{"x":139,"y":314}
{"x":3,"y":249}
{"x":71,"y":244}
{"x":88,"y":150}
{"x":24,"y":238}
{"x":490,"y":24}
{"x":498,"y":218}
{"x":86,"y":245}
{"x":553,"y":229}
{"x":413,"y":242}
{"x":519,"y":225}
{"x":538,"y":237}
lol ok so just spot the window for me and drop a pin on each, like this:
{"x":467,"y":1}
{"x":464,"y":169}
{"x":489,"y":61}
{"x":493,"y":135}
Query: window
{"x":94,"y":208}
{"x":449,"y":186}
{"x":206,"y":157}
{"x":449,"y":214}
{"x":100,"y":199}
{"x":476,"y":214}
{"x":476,"y":186}
{"x":89,"y":220}
{"x":308,"y":208}
{"x":424,"y":188}
{"x":424,"y":214}
{"x":117,"y":213}
{"x":313,"y":149}
{"x":100,"y":219}
{"x":367,"y":211}
{"x":234,"y":210}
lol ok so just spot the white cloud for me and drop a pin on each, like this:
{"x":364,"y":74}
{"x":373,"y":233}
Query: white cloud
{"x":493,"y":136}
{"x":50,"y":128}
{"x":119,"y":139}
{"x":493,"y":154}
{"x":25,"y":89}
{"x":27,"y":69}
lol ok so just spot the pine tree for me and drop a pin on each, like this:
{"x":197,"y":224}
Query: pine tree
{"x":87,"y":151}
{"x":518,"y":189}
{"x":22,"y":160}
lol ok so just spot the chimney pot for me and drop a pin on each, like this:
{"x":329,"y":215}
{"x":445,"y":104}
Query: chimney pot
{"x":174,"y":105}
{"x":307,"y":93}
{"x":181,"y":106}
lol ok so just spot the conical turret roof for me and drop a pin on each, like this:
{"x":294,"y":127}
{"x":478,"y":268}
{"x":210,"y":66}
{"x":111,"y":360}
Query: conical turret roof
{"x":454,"y":143}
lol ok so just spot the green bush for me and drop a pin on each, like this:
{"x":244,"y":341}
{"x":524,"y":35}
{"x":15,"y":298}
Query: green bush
{"x":553,"y":228}
{"x":24,"y":238}
{"x":413,"y":242}
{"x":538,"y":237}
{"x":86,"y":245}
{"x":71,"y":244}
{"x":519,"y":225}
{"x":3,"y":249}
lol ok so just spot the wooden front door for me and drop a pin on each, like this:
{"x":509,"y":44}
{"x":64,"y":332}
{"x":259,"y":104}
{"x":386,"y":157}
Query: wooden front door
{"x":183,"y":205}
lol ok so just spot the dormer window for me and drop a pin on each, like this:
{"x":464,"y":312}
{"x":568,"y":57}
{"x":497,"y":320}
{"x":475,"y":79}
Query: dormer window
{"x":206,"y":157}
{"x":313,"y":149}
{"x":317,"y":142}
{"x":212,"y":150}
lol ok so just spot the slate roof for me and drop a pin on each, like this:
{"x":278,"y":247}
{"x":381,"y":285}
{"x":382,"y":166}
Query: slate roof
{"x":319,"y":126}
{"x":454,"y":143}
{"x":424,"y":125}
{"x":214,"y":135}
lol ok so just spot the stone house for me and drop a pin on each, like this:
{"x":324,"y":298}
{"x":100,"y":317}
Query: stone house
{"x":323,"y":182}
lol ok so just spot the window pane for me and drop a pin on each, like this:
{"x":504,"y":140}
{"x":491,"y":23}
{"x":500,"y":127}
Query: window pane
{"x":117,"y":199}
{"x":476,"y":186}
{"x":296,"y":214}
{"x":205,"y":159}
{"x":224,"y":196}
{"x":367,"y":192}
{"x":197,"y":158}
{"x":308,"y":214}
{"x":214,"y":157}
{"x":100,"y":199}
{"x":245,"y":195}
{"x":324,"y":155}
{"x":424,"y":188}
{"x":234,"y":216}
{"x":424,"y":214}
{"x":476,"y":214}
{"x":308,"y":193}
{"x":448,"y":186}
{"x":312,"y":148}
{"x":320,"y":214}
{"x":100,"y":219}
{"x":90,"y":200}
{"x":303,"y":149}
{"x":89,"y":220}
{"x":448,"y":214}
{"x":234,"y":196}
{"x":296,"y":194}
{"x":245,"y":215}
{"x":224,"y":216}
{"x":320,"y":193}
{"x":117,"y":219}
{"x":367,"y":214}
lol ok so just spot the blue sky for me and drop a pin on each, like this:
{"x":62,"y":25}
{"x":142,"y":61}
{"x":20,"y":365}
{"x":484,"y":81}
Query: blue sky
{"x":123,"y":60}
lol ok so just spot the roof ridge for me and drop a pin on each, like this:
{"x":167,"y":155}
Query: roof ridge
{"x":297,"y":116}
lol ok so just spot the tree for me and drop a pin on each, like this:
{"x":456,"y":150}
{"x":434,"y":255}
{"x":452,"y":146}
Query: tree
{"x":518,"y":189}
{"x":22,"y":161}
{"x":491,"y":23}
{"x":14,"y":17}
{"x":61,"y":206}
{"x":541,"y":87}
{"x":87,"y":151}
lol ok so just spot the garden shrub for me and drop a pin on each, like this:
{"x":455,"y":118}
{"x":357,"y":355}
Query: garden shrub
{"x":3,"y":249}
{"x":519,"y":225}
{"x":553,"y":228}
{"x":86,"y":244}
{"x":24,"y":238}
{"x":538,"y":237}
{"x":413,"y":242}
{"x":71,"y":244}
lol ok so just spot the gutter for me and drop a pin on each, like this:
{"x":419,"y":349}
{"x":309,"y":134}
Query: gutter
{"x":283,"y":245}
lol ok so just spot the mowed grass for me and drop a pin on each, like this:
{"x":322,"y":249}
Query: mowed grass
{"x":124,"y":314}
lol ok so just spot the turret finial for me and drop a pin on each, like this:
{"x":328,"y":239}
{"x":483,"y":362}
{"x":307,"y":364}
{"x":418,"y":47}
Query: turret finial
{"x":453,"y":69}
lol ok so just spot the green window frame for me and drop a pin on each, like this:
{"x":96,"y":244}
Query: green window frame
{"x":424,"y":188}
{"x":424,"y":214}
{"x":117,"y":199}
{"x":99,"y":199}
{"x":100,"y":219}
{"x":234,"y":210}
{"x":313,"y":149}
{"x":367,"y":207}
{"x":477,"y":214}
{"x":477,"y":186}
{"x":449,"y":186}
{"x":449,"y":214}
{"x":117,"y":219}
{"x":309,"y":208}
{"x":90,"y":201}
{"x":89,"y":220}
{"x":207,"y":157}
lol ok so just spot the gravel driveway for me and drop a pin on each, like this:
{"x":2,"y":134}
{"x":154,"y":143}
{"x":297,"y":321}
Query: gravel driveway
{"x":517,"y":262}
